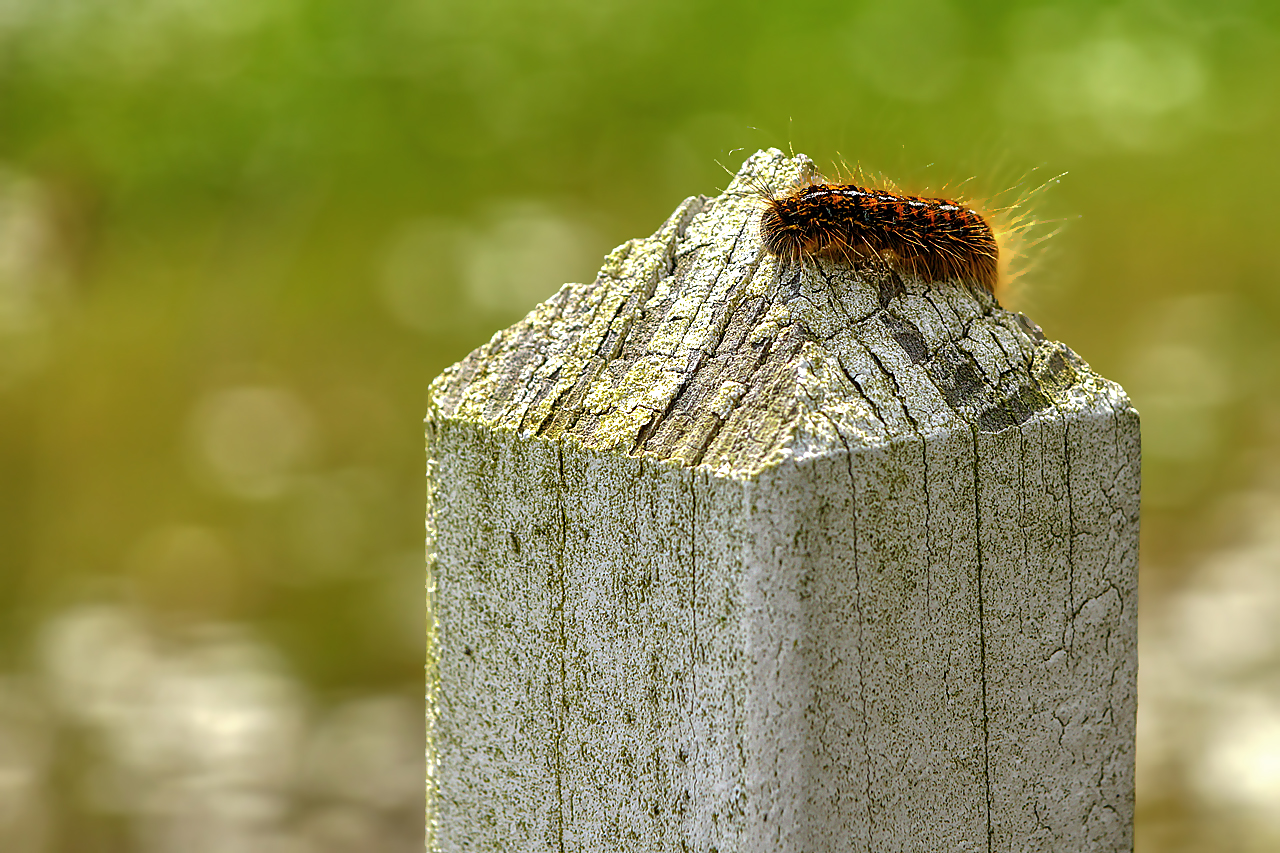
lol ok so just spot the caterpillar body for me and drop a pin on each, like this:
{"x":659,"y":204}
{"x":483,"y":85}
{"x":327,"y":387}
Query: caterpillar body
{"x":934,"y":238}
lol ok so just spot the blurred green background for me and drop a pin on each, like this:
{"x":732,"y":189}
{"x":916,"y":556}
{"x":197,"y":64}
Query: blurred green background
{"x":239,"y":237}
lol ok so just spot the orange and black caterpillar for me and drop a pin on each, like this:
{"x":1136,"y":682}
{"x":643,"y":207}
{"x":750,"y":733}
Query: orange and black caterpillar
{"x":933,"y":238}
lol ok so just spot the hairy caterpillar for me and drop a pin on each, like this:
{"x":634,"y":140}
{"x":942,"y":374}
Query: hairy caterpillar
{"x":934,"y":238}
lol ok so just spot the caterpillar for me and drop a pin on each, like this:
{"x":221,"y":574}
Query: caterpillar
{"x":934,"y":238}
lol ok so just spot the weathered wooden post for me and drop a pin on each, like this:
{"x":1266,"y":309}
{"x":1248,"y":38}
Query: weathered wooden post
{"x":727,"y":557}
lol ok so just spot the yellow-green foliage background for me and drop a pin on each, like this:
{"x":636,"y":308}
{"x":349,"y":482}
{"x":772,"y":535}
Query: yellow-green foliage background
{"x":239,"y":237}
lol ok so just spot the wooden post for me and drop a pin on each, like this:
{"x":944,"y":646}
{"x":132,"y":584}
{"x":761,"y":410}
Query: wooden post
{"x":726,"y":556}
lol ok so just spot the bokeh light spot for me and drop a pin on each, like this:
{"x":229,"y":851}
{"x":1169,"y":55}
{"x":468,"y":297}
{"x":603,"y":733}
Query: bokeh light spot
{"x":252,"y":440}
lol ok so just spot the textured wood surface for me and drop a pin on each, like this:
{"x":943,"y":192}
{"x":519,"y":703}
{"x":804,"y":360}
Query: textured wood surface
{"x":726,"y":556}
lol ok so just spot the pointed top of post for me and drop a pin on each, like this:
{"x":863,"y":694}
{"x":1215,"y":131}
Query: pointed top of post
{"x":697,"y":347}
